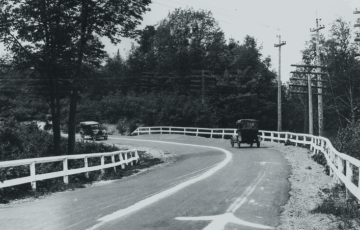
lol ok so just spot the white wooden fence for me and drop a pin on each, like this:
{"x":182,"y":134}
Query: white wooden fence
{"x":341,"y":166}
{"x":125,"y":157}
{"x":186,"y":131}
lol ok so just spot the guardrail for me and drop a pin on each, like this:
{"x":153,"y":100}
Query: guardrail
{"x":186,"y":131}
{"x":341,"y":165}
{"x":125,"y":157}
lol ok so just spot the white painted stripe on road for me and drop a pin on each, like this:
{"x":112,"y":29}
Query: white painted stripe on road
{"x":248,"y":191}
{"x":150,"y":200}
{"x":219,"y":222}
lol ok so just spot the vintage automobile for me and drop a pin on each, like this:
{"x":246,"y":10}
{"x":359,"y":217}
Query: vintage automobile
{"x":92,"y":130}
{"x":247,"y":132}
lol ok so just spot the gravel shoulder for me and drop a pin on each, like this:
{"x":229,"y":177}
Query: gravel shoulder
{"x":308,"y":183}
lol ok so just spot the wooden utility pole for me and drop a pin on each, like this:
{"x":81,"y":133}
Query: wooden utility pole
{"x":319,"y":83}
{"x":311,"y":116}
{"x":308,"y":86}
{"x":279,"y":128}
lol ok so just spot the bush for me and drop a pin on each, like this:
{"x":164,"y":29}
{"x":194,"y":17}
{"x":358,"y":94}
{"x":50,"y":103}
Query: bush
{"x":20,"y":141}
{"x":342,"y":210}
{"x":348,"y":140}
{"x":126,"y":127}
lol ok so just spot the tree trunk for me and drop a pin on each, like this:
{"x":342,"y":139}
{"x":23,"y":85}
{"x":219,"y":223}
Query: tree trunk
{"x":55,"y":124}
{"x":72,"y":121}
{"x":306,"y":115}
{"x":84,"y":35}
{"x":352,"y":112}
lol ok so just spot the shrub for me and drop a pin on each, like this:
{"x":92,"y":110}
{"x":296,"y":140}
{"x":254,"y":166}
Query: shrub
{"x":348,"y":140}
{"x":20,"y":141}
{"x":126,"y":126}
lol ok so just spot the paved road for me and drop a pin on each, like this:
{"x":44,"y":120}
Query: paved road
{"x":210,"y":187}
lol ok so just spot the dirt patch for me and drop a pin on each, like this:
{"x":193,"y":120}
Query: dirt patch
{"x":309,"y":191}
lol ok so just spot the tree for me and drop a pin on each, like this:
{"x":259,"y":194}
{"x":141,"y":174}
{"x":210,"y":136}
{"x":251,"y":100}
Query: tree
{"x":344,"y":69}
{"x":58,"y":37}
{"x":248,"y":88}
{"x":337,"y":52}
{"x":185,"y":40}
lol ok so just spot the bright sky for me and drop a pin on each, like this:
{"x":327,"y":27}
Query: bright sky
{"x":262,"y":19}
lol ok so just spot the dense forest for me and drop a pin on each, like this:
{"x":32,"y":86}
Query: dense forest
{"x":183,"y":72}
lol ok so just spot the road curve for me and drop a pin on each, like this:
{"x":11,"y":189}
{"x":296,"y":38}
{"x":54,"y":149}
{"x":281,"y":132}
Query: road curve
{"x":210,"y":186}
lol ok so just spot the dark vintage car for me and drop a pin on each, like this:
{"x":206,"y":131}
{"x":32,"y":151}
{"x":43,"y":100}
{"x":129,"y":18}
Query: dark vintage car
{"x":92,"y":129}
{"x":247,"y":132}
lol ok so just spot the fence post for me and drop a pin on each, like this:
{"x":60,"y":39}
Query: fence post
{"x":137,"y":156}
{"x":272,"y":136}
{"x":322,"y":145}
{"x":121,"y":157}
{"x":184,"y":131}
{"x":340,"y":166}
{"x":296,"y":140}
{"x":86,"y":165}
{"x":65,"y":170}
{"x":102,"y":159}
{"x":170,"y":130}
{"x":131,"y":155}
{"x":113,"y":161}
{"x":317,"y":145}
{"x":149,"y":130}
{"x":197,"y":132}
{"x":223,"y":134}
{"x":126,"y":158}
{"x":161,"y":130}
{"x":32,"y":174}
{"x":349,"y":176}
{"x":211,"y":135}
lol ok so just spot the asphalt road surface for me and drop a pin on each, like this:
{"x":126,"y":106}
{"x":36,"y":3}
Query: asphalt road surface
{"x":210,"y":186}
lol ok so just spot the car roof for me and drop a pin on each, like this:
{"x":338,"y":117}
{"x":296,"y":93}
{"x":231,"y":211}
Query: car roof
{"x":89,"y":123}
{"x":244,"y":120}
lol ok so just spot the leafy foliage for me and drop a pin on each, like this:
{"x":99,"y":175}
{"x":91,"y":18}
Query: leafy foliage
{"x":22,"y":141}
{"x":348,"y":140}
{"x":341,"y":95}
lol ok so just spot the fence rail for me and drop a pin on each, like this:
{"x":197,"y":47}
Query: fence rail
{"x":125,"y":157}
{"x":341,"y":166}
{"x":186,"y":131}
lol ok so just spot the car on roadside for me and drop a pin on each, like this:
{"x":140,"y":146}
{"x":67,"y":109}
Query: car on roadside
{"x":93,"y":130}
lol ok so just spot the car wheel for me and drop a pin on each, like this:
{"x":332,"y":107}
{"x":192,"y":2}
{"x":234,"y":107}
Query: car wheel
{"x":94,"y":138}
{"x":105,"y":137}
{"x":232,"y":142}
